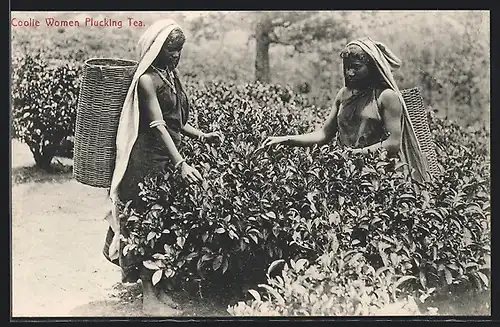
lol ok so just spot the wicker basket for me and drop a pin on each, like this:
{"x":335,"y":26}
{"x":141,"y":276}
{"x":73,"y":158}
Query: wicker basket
{"x":418,"y":117}
{"x":102,"y":93}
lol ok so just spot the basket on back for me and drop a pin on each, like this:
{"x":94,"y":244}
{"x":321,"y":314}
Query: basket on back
{"x":102,"y":94}
{"x":416,"y":110}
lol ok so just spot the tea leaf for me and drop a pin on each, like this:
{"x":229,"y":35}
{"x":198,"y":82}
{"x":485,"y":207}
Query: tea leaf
{"x":158,"y":256}
{"x":483,"y":278}
{"x":448,"y":276}
{"x":423,"y":279}
{"x":299,"y":265}
{"x":217,"y":262}
{"x":255,"y":294}
{"x":151,"y":235}
{"x":402,"y":280}
{"x":272,"y":291}
{"x":180,"y":241}
{"x":156,"y":277}
{"x":225,"y":265}
{"x":273,"y":265}
{"x":150,"y":265}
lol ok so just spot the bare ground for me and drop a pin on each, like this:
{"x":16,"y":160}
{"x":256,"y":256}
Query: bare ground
{"x":58,"y":232}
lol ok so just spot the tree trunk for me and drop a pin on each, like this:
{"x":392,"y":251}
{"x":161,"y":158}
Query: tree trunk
{"x":43,"y":156}
{"x":262,"y":42}
{"x":43,"y":161}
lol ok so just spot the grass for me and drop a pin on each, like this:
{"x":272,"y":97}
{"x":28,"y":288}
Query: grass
{"x":28,"y":174}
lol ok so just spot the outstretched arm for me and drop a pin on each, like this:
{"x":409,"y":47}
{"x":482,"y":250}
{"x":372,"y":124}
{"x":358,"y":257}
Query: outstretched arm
{"x":320,"y":136}
{"x":193,"y":132}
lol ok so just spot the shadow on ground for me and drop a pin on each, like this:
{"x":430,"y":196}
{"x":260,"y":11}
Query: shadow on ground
{"x":59,"y":173}
{"x":470,"y":303}
{"x":126,"y":301}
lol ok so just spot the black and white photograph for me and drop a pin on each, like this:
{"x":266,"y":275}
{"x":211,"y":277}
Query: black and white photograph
{"x":331,"y":163}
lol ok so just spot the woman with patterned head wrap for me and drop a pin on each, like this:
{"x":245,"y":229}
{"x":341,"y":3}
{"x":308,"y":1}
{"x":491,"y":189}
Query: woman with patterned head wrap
{"x":153,"y":117}
{"x":369,"y":111}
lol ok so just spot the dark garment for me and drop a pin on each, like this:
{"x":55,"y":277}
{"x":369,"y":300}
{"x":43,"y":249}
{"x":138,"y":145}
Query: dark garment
{"x":359,"y":120}
{"x":149,"y":155}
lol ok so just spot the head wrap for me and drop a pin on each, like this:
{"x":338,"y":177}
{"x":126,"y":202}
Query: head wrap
{"x":148,"y":48}
{"x":386,"y":62}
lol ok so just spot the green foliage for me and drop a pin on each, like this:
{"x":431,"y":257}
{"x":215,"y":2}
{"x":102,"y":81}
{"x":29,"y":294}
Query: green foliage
{"x":454,"y":76}
{"x":365,"y":228}
{"x":44,"y":103}
{"x":259,"y":205}
{"x":337,"y":284}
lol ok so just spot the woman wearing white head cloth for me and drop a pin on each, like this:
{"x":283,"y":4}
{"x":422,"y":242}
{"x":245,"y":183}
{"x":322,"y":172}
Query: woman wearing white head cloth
{"x":369,"y":112}
{"x":154,"y":116}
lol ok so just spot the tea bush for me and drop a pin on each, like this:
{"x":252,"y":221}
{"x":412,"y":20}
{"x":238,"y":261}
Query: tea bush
{"x":434,"y":237}
{"x":337,"y":284}
{"x":257,"y":205}
{"x":44,"y":101}
{"x":220,"y":226}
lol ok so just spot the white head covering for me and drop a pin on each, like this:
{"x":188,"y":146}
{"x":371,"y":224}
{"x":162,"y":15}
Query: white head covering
{"x":386,"y":63}
{"x":148,"y":48}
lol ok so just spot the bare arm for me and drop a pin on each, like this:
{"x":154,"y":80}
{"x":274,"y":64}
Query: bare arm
{"x":147,"y":93}
{"x":191,"y":131}
{"x":153,"y":112}
{"x":391,"y":110}
{"x":320,"y":136}
{"x":196,"y":133}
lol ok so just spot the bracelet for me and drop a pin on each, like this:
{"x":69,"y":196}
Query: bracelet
{"x":201,"y":137}
{"x":155,"y":123}
{"x":179,"y":163}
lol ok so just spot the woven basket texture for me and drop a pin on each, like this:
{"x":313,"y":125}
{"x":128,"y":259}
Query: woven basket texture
{"x":102,"y":93}
{"x":416,"y":110}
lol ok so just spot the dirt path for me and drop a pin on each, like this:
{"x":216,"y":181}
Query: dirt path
{"x":57,"y":237}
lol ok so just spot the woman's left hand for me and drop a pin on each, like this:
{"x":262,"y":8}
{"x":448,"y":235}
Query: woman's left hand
{"x":213,"y":137}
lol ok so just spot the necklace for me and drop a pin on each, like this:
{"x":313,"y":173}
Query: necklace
{"x":164,"y":72}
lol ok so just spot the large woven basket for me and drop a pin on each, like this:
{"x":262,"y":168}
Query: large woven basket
{"x":102,"y":94}
{"x":416,"y":110}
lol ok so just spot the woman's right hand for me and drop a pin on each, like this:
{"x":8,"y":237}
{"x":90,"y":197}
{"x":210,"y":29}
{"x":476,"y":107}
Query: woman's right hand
{"x":190,"y":174}
{"x":274,"y":140}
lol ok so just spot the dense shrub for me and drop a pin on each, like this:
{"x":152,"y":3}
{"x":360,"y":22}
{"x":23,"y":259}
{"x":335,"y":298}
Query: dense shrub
{"x":44,"y":101}
{"x":360,"y":222}
{"x":219,"y":227}
{"x":337,"y":284}
{"x":257,"y":206}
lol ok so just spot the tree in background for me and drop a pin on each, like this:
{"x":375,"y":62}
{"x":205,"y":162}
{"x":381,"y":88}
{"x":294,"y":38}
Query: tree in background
{"x":305,"y":32}
{"x":445,"y":53}
{"x":315,"y":33}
